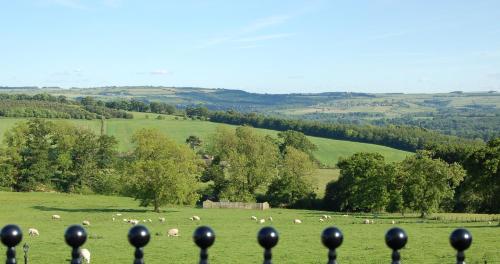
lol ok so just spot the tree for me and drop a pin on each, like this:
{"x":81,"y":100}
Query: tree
{"x":162,"y":172}
{"x":298,"y":141}
{"x":428,"y":182}
{"x":244,"y":162}
{"x":294,"y":181}
{"x":193,"y":141}
{"x":362,"y":185}
{"x":481,"y":187}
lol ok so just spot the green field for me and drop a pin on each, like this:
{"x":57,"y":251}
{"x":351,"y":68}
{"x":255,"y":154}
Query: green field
{"x":328,"y":152}
{"x":236,"y":233}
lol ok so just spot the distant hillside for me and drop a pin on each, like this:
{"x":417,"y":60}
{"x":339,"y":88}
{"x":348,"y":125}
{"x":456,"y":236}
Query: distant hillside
{"x":470,"y":115}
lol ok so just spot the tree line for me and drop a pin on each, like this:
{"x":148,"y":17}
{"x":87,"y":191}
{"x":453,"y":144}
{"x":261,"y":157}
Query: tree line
{"x":399,"y":137}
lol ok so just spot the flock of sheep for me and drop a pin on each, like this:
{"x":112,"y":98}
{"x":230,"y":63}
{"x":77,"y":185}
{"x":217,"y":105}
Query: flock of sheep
{"x":174,"y":232}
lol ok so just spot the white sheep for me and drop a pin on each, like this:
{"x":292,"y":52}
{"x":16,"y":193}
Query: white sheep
{"x":149,"y":220}
{"x":118,"y":214}
{"x":113,"y":219}
{"x":133,"y":221}
{"x":85,"y":254}
{"x":324,"y":216}
{"x":366,"y":221}
{"x":372,"y":222}
{"x":270,"y":218}
{"x":196,"y":218}
{"x":297,"y":221}
{"x":162,"y":219}
{"x":86,"y":223}
{"x":56,"y":217}
{"x":173,"y":232}
{"x":254,"y":217}
{"x":125,"y":220}
{"x":329,"y":216}
{"x":321,"y":220}
{"x":191,"y":218}
{"x":393,"y":222}
{"x":33,"y":232}
{"x":261,"y":221}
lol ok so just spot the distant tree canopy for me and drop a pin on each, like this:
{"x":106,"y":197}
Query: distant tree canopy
{"x":41,"y":155}
{"x":418,"y":183}
{"x":399,"y":137}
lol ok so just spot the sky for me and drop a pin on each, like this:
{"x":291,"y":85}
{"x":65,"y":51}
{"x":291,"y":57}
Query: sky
{"x":264,"y":46}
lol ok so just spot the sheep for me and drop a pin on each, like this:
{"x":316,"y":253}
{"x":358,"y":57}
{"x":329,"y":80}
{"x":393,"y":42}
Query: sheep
{"x":162,"y":219}
{"x":321,"y":220}
{"x":393,"y":222}
{"x":144,"y":220}
{"x":133,"y":222}
{"x":345,"y":215}
{"x":125,"y":220}
{"x":489,"y":223}
{"x":261,"y":221}
{"x":33,"y":232}
{"x":149,"y":220}
{"x":254,"y":218}
{"x":297,"y":221}
{"x":56,"y":217}
{"x":324,"y":216}
{"x":196,"y":218}
{"x":113,"y":219}
{"x":329,"y":216}
{"x":372,"y":222}
{"x":173,"y":232}
{"x":86,"y":223}
{"x":191,"y":218}
{"x":270,"y":218}
{"x":366,"y":221}
{"x":85,"y":254}
{"x":118,"y":214}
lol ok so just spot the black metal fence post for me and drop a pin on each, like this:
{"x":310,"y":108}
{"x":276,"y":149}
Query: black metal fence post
{"x":139,"y":236}
{"x":332,"y":239}
{"x":25,"y":250}
{"x":268,"y":238}
{"x":204,"y":237}
{"x":396,"y":239}
{"x":11,"y":236}
{"x":75,"y":237}
{"x":460,"y":239}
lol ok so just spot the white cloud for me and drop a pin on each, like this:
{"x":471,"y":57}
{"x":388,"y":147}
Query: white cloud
{"x":240,"y":35}
{"x":74,"y":4}
{"x":264,"y":37}
{"x":159,"y":72}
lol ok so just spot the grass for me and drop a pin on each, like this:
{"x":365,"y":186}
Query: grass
{"x":328,"y":152}
{"x":236,"y":233}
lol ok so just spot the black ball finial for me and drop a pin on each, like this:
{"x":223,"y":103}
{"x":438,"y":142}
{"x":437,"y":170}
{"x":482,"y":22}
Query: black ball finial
{"x":75,"y":236}
{"x":268,"y":237}
{"x":332,"y":238}
{"x":396,"y":238}
{"x":138,"y":236}
{"x":204,"y":237}
{"x":460,"y":239}
{"x":11,"y":235}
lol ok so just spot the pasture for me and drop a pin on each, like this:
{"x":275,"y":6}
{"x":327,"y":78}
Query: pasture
{"x":235,"y":232}
{"x":328,"y":152}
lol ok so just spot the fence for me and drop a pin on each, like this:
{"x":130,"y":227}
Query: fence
{"x":237,"y":205}
{"x":204,"y":237}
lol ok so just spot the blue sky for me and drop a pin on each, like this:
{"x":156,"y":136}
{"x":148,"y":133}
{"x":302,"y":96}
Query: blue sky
{"x":259,"y":46}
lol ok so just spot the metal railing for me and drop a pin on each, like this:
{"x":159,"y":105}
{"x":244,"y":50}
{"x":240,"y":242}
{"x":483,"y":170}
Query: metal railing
{"x":204,"y":237}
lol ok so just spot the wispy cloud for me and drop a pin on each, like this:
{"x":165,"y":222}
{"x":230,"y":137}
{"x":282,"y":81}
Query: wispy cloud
{"x":264,"y":37}
{"x":74,"y":4}
{"x":159,"y":72}
{"x":241,"y":34}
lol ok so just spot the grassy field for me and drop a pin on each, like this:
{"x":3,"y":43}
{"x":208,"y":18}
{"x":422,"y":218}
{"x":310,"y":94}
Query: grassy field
{"x":236,"y":233}
{"x":329,"y":150}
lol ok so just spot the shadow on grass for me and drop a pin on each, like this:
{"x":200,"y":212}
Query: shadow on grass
{"x":97,"y":210}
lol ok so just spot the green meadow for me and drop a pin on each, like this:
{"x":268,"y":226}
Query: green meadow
{"x":235,"y":232}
